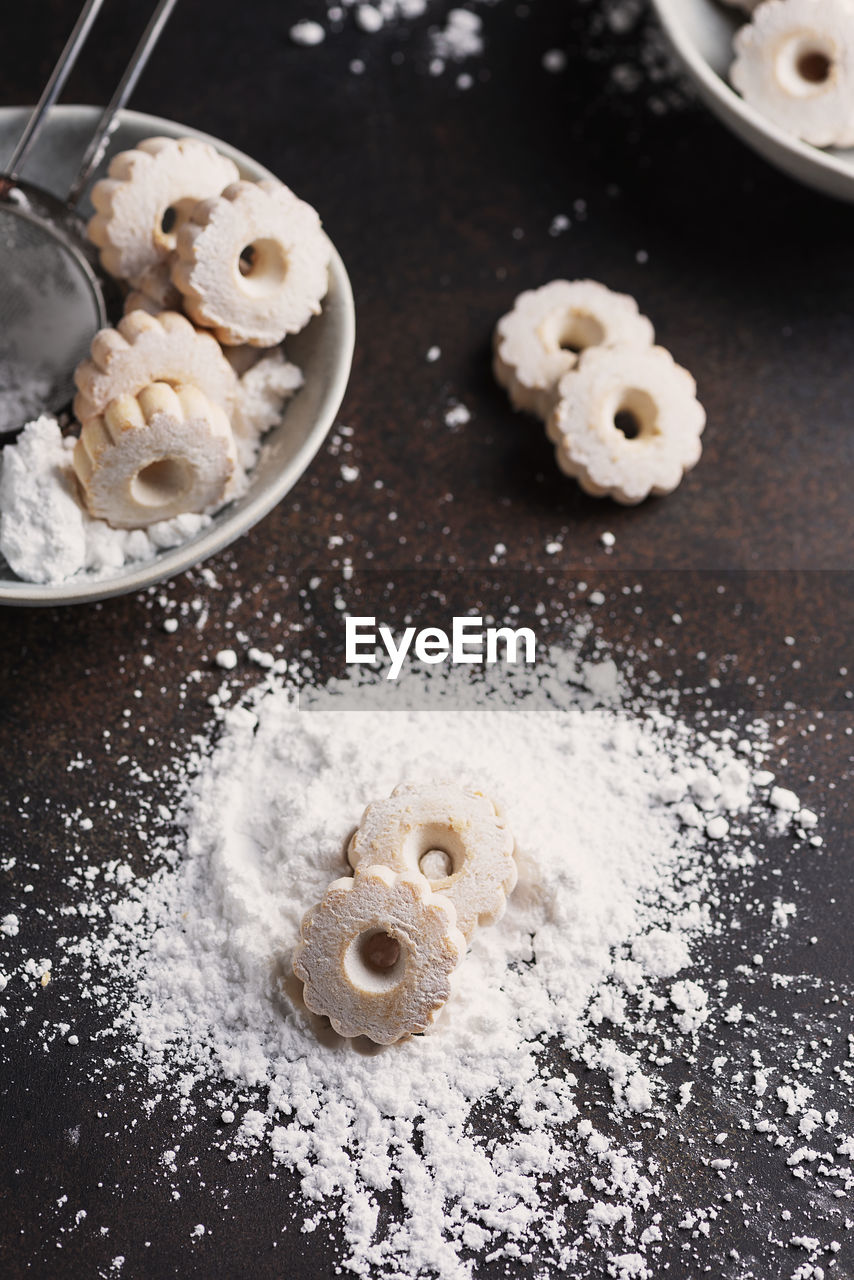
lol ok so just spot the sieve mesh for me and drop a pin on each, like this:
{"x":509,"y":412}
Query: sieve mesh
{"x":51,"y":300}
{"x":50,"y":309}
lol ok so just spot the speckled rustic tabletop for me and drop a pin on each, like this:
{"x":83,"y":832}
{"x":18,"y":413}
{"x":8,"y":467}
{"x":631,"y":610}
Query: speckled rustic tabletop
{"x":442,"y":203}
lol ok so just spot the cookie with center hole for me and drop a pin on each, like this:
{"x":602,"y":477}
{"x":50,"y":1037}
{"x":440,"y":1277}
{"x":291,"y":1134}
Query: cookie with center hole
{"x":539,"y":341}
{"x":140,"y":206}
{"x":376,"y":955}
{"x":627,"y":423}
{"x":155,"y":455}
{"x":456,"y":836}
{"x":795,"y":64}
{"x":252,"y":264}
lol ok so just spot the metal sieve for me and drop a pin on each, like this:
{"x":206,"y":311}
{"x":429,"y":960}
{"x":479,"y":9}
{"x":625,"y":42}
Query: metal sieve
{"x":53,"y":296}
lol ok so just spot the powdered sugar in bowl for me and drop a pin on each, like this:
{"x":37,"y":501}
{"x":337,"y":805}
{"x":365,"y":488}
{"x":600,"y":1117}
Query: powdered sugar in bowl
{"x":323,"y":352}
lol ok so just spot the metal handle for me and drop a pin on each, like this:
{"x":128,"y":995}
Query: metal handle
{"x":107,"y":123}
{"x":55,"y":84}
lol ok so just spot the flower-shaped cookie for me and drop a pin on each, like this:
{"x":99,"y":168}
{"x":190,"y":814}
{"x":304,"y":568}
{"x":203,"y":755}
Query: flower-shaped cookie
{"x":377,"y":953}
{"x":539,"y":340}
{"x":154,"y":455}
{"x":143,"y":202}
{"x":252,"y":264}
{"x":795,"y":64}
{"x":143,"y":349}
{"x":627,"y":423}
{"x":454,"y":835}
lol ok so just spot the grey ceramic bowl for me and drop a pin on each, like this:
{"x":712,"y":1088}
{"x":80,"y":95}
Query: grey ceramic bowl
{"x":701,"y":32}
{"x":324,"y":351}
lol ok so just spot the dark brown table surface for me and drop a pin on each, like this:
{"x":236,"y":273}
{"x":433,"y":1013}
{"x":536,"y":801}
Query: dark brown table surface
{"x":440,"y":201}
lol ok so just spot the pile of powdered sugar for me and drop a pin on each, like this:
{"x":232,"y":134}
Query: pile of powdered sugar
{"x":46,"y":533}
{"x":626,"y":821}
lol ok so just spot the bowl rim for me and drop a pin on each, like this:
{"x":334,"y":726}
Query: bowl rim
{"x":175,"y":560}
{"x":818,"y":158}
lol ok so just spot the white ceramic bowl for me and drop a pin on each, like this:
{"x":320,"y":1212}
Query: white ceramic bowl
{"x":323,"y":351}
{"x":701,"y":32}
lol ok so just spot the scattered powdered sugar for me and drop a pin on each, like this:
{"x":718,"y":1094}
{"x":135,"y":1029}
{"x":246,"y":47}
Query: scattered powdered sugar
{"x":457,"y":415}
{"x":641,"y":58}
{"x":623,"y":36}
{"x":46,"y":534}
{"x":476,"y":1141}
{"x":307,"y":33}
{"x":460,"y":38}
{"x":369,"y":18}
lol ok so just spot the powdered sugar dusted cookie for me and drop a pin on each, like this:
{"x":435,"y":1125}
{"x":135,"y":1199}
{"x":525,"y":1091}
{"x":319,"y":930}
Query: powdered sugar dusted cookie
{"x":627,"y":423}
{"x":454,"y":835}
{"x":539,"y":340}
{"x":144,"y":349}
{"x":377,"y":954}
{"x":142,"y":203}
{"x":161,"y":453}
{"x":252,"y":264}
{"x":795,"y":63}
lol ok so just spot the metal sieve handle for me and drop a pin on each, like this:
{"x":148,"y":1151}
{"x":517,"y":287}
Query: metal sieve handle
{"x":107,"y":123}
{"x":55,"y":85}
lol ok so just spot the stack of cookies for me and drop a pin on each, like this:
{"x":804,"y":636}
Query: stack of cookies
{"x":217,"y":270}
{"x":623,"y":416}
{"x":431,"y":864}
